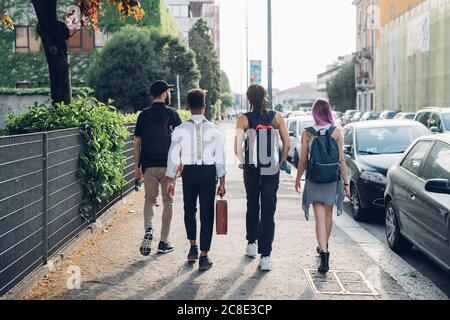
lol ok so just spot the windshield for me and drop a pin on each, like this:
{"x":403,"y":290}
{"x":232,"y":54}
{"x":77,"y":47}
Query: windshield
{"x":446,"y":117}
{"x":390,"y":140}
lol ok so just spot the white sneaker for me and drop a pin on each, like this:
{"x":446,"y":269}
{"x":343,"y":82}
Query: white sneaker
{"x":252,"y":249}
{"x":264,"y":264}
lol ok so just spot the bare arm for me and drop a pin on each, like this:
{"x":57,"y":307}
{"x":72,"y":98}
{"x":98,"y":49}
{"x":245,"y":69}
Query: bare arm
{"x":137,"y":155}
{"x":284,"y":137}
{"x":241,"y":127}
{"x":343,"y":165}
{"x":303,"y":159}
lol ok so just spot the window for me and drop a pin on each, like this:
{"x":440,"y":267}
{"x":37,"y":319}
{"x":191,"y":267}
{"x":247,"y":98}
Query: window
{"x":26,"y":39}
{"x":387,"y":140}
{"x":416,"y":156}
{"x":293,"y":126}
{"x":435,"y":121}
{"x":438,"y":163}
{"x":84,"y":41}
{"x":348,"y":136}
{"x":423,"y":118}
{"x":179,"y":11}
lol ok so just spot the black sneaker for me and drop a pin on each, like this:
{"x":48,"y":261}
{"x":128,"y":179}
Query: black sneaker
{"x":205,"y":264}
{"x":193,"y":254}
{"x":146,"y":245}
{"x":165,"y":247}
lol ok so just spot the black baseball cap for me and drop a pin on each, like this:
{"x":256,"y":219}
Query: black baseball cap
{"x":159,"y":87}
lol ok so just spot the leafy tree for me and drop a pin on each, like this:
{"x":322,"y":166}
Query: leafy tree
{"x":133,"y":59}
{"x":207,"y":61}
{"x":55,"y":34}
{"x":341,"y":89}
{"x":226,"y":96}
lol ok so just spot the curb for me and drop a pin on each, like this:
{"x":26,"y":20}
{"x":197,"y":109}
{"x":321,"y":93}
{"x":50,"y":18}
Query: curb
{"x":23,"y":287}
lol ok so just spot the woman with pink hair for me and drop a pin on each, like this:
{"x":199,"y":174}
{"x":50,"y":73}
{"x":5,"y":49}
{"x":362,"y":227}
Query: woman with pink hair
{"x":322,"y":157}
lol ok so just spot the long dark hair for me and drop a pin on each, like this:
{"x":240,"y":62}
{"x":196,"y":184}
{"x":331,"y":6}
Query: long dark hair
{"x":258,"y":98}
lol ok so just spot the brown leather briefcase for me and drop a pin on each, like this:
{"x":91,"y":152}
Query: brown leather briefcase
{"x":221,"y":216}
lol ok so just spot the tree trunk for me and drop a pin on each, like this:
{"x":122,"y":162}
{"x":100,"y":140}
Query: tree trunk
{"x":54,"y":35}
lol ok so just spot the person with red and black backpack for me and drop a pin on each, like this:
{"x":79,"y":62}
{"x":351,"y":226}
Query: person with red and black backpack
{"x":153,"y":136}
{"x":259,"y":131}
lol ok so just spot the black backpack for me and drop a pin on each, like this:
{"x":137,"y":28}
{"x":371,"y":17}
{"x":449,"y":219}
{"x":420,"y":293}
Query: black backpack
{"x":261,"y":144}
{"x":323,"y":163}
{"x":157,"y":140}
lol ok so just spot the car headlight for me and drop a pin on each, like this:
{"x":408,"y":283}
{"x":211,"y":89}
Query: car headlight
{"x":373,"y":177}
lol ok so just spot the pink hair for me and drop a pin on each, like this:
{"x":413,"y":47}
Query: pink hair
{"x":322,"y":112}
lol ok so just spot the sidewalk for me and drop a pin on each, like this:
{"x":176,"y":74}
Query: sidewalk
{"x":111,"y":266}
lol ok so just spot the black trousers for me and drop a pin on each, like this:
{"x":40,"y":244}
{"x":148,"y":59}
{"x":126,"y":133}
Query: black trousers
{"x":199,"y":182}
{"x":261,"y":206}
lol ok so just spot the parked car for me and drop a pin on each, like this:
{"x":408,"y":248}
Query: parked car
{"x":338,"y":114}
{"x":356,"y":117}
{"x":296,"y":127}
{"x":348,"y":115}
{"x":388,"y":115}
{"x":297,"y":114}
{"x":337,"y":118}
{"x":405,"y":116}
{"x":436,"y":119}
{"x":371,"y":148}
{"x":418,"y":199}
{"x":370,"y":115}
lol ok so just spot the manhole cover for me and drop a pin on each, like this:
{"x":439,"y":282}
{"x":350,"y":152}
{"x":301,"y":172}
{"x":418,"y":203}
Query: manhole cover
{"x":340,"y":282}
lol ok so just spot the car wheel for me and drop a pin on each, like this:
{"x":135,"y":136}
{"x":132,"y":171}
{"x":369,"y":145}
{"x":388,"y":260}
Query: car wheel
{"x":396,"y":241}
{"x":296,"y":159}
{"x":358,"y":212}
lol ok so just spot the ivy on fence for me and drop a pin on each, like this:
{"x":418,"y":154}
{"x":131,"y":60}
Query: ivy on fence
{"x":104,"y":136}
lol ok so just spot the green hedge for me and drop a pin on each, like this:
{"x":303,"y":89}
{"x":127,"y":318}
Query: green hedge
{"x":38,"y":91}
{"x":104,"y":136}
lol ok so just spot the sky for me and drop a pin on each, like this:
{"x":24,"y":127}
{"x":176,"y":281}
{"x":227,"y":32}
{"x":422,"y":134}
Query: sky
{"x":307,"y":35}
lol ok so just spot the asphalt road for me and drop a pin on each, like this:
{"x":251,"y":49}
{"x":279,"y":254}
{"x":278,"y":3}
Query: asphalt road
{"x":419,"y":261}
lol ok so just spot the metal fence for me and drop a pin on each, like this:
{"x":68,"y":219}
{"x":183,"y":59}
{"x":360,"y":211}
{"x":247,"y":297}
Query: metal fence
{"x":40,"y":199}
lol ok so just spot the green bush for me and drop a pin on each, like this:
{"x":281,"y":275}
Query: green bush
{"x":133,"y":59}
{"x":40,"y":91}
{"x":104,"y":136}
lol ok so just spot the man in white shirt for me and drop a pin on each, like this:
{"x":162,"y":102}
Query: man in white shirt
{"x":198,"y":147}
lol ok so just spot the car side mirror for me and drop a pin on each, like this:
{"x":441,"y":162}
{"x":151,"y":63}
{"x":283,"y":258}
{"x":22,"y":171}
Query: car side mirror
{"x":348,"y":150}
{"x":292,"y":134}
{"x":435,"y":130}
{"x":438,"y":186}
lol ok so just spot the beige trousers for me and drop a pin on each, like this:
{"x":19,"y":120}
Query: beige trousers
{"x":153,"y":178}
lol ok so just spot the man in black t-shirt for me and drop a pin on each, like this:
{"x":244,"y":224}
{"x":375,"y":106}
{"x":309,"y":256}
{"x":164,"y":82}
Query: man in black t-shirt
{"x":153,"y":135}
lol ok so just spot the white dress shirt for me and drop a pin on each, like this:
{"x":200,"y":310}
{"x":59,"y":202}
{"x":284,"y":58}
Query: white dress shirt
{"x":197,"y":142}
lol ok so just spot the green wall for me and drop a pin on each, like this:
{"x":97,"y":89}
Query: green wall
{"x":411,"y":80}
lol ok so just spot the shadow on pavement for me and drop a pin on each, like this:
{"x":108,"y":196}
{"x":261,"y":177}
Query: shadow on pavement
{"x":230,"y":279}
{"x":246,"y":289}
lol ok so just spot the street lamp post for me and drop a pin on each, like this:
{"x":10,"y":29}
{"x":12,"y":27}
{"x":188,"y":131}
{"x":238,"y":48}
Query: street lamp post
{"x":246,"y":48}
{"x":269,"y":45}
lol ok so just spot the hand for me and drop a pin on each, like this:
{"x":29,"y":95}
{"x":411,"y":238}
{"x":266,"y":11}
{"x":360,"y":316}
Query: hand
{"x":171,"y":189}
{"x":180,"y":169}
{"x":298,"y":185}
{"x":221,"y":191}
{"x":138,"y":174}
{"x":347,"y":191}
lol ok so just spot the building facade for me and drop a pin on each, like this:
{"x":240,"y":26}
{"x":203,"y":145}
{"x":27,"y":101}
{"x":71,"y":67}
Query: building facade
{"x":188,"y":12}
{"x":413,"y":65}
{"x":367,"y":20}
{"x":372,"y":18}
